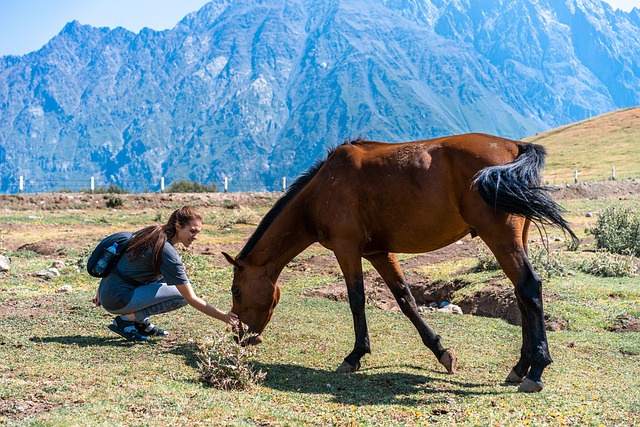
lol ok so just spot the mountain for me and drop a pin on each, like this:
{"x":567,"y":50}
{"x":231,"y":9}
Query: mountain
{"x":256,"y":90}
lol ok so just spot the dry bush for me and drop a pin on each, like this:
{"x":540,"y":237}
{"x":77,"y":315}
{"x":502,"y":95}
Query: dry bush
{"x":228,"y":365}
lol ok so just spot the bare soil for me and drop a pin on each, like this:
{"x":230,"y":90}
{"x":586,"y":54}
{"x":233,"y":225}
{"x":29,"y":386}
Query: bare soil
{"x":85,"y":201}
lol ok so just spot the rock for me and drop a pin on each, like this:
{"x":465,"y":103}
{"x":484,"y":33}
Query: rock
{"x":45,"y":274}
{"x":445,"y":307}
{"x":4,"y":263}
{"x":589,"y":215}
{"x":48,"y":274}
{"x":65,"y":289}
{"x":450,"y":308}
{"x":59,"y":264}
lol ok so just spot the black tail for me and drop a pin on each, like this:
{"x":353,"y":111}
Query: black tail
{"x":516,"y":188}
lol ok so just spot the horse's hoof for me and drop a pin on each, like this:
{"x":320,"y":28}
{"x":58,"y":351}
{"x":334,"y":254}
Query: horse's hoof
{"x":449,"y":361}
{"x":530,"y":386}
{"x":346,"y":368}
{"x":514,"y":378}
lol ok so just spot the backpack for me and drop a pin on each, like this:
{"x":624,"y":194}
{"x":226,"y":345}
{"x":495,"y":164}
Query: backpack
{"x":122,"y":239}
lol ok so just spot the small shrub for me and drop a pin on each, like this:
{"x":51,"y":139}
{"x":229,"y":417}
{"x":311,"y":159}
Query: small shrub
{"x":545,"y":263}
{"x":230,"y":204}
{"x":228,"y":365}
{"x":241,"y":215}
{"x":184,"y":186}
{"x":245,"y":216}
{"x":114,"y":202}
{"x":111,"y":189}
{"x":618,"y":231}
{"x":572,"y":245}
{"x":486,"y":260}
{"x":606,"y":264}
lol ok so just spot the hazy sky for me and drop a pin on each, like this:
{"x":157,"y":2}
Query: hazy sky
{"x":27,"y":25}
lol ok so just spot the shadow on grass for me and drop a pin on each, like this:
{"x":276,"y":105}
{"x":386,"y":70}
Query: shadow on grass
{"x":87,"y":341}
{"x":367,"y":388}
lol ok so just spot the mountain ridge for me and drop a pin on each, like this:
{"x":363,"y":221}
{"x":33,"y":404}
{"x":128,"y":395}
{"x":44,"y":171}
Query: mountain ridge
{"x":254,"y":91}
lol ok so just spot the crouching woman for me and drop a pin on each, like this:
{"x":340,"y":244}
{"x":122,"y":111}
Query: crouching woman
{"x":150,"y":279}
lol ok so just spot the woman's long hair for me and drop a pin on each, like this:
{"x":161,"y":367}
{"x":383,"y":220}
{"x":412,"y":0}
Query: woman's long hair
{"x":155,"y":236}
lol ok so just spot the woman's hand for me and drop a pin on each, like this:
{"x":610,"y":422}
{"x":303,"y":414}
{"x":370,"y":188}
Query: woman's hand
{"x":96,"y":299}
{"x":231,"y":319}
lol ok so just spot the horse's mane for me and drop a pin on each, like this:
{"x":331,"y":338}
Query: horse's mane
{"x":293,"y":190}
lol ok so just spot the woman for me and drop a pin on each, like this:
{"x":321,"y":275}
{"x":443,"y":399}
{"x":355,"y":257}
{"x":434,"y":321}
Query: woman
{"x":150,"y":279}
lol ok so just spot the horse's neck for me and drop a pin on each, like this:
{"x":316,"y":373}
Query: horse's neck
{"x":286,"y":237}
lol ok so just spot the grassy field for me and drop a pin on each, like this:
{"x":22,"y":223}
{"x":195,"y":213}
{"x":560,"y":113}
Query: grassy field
{"x":594,"y":147}
{"x":60,"y":365}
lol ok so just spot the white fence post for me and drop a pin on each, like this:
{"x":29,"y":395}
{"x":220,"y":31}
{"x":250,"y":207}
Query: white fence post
{"x":162,"y":184}
{"x":21,"y":187}
{"x":284,"y":183}
{"x":613,"y":173}
{"x":93,"y":184}
{"x":226,"y":184}
{"x":575,"y":176}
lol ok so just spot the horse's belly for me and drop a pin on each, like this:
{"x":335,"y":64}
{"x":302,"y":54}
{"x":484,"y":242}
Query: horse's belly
{"x":415,"y":239}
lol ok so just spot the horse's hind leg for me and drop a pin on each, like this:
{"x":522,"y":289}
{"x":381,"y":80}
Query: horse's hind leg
{"x":387,"y":265}
{"x":511,"y":254}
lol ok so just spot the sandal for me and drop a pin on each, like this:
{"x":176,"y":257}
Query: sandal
{"x":126,"y":329}
{"x":149,"y":329}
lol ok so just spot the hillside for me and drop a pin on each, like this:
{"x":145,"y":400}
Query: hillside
{"x":252,"y":91}
{"x":593,"y":147}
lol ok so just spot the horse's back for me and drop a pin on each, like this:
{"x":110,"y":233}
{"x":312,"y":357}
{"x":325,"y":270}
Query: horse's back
{"x":403,"y":197}
{"x":418,"y":163}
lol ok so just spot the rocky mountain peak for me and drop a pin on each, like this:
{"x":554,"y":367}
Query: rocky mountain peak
{"x":254,"y":90}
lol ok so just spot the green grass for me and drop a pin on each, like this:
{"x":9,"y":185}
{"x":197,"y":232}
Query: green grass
{"x":60,"y":365}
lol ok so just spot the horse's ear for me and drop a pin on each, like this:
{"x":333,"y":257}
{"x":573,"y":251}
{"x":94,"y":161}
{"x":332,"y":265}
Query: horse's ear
{"x":232,"y":260}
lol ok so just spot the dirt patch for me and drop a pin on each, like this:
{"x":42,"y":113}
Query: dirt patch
{"x":81,"y":201}
{"x":626,"y":323}
{"x":598,"y":189}
{"x":44,"y":248}
{"x":20,"y":410}
{"x":43,"y":305}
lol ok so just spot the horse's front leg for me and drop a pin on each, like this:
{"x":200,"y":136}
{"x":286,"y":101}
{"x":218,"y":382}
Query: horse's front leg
{"x":351,"y":266}
{"x":387,"y":265}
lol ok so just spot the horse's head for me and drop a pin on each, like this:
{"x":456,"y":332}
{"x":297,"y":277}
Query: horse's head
{"x":254,"y":297}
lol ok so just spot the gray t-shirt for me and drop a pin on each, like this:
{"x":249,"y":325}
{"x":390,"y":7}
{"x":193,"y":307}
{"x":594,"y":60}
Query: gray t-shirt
{"x":116,"y":292}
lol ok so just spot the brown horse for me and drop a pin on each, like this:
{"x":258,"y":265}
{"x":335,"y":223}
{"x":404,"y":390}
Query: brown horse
{"x":371,"y":200}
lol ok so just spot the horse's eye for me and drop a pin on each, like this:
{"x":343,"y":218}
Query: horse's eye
{"x":235,"y":291}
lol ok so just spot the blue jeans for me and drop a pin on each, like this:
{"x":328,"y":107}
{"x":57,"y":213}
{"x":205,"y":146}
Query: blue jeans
{"x":154,"y":298}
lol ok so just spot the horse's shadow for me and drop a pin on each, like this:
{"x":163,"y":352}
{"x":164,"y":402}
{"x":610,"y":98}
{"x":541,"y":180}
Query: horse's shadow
{"x":367,"y":386}
{"x":375,"y":385}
